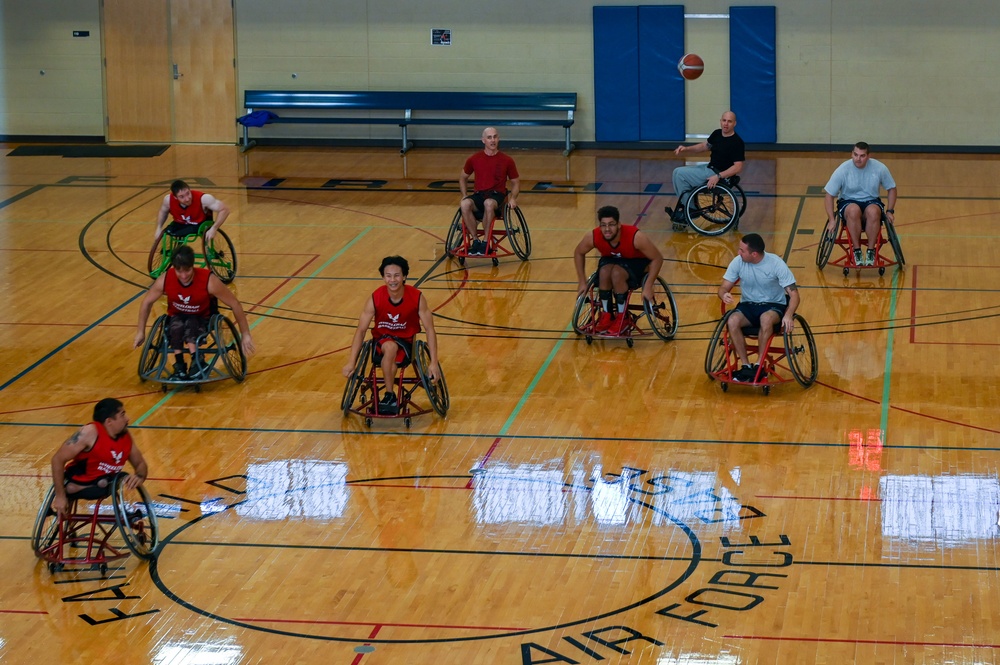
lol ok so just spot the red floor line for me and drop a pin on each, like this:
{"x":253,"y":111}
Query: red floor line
{"x":814,"y":498}
{"x":283,"y":282}
{"x":642,"y":213}
{"x":855,"y":641}
{"x":88,"y":403}
{"x":486,"y":458}
{"x":378,"y":625}
{"x":23,"y":612}
{"x":45,"y":475}
{"x":411,"y":487}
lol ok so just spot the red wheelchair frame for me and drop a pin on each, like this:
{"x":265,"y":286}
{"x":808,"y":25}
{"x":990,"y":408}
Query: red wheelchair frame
{"x":515,"y":231}
{"x":119,"y":522}
{"x":661,"y":314}
{"x":886,"y":236}
{"x":721,"y":360}
{"x":366,"y":386}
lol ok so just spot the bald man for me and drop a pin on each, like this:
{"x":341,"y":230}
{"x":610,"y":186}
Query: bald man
{"x":490,"y":169}
{"x":726,"y":161}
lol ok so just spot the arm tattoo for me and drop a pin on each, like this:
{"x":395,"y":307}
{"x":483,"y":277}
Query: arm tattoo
{"x":792,"y":287}
{"x":74,"y":439}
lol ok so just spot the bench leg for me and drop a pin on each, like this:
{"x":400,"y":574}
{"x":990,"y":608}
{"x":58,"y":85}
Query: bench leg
{"x":569,"y":145}
{"x":406,"y":144}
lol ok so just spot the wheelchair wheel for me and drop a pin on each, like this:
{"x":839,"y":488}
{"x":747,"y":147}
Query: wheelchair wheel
{"x":152,"y":357}
{"x":825,"y":248}
{"x":227,"y":341}
{"x":136,"y":518}
{"x":220,"y":256}
{"x":517,"y":232}
{"x":46,"y":529}
{"x":357,"y":377}
{"x":742,"y":198}
{"x":662,"y":312}
{"x":437,"y":391}
{"x":712,"y":212}
{"x":718,"y":353}
{"x":585,"y":310}
{"x":454,"y":240}
{"x":159,"y":258}
{"x":800,"y":348}
{"x":897,"y":249}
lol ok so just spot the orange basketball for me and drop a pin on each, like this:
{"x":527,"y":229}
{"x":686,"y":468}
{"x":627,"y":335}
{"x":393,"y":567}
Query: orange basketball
{"x":691,"y":66}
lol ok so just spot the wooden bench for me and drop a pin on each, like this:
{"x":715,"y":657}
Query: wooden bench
{"x":521,"y":109}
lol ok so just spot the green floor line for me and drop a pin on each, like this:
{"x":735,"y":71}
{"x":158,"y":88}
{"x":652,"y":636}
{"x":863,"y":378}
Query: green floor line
{"x":534,"y":382}
{"x":143,"y":417}
{"x":887,"y":371}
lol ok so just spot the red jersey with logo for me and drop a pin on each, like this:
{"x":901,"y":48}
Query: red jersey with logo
{"x":106,"y":456}
{"x":193,"y":214}
{"x":193,"y":299}
{"x":400,"y":319}
{"x":491,"y":171}
{"x":626,"y":243}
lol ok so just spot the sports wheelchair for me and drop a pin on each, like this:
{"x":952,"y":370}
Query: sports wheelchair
{"x":219,"y":255}
{"x":515,"y":231}
{"x":660,"y":315}
{"x":366,"y":386}
{"x":218,"y":355}
{"x":712,"y":212}
{"x":101,"y":525}
{"x":788,"y":352}
{"x":886,"y":235}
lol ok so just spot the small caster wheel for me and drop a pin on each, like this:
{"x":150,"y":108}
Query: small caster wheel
{"x":725,"y":386}
{"x":104,"y":569}
{"x":55,"y":567}
{"x":368,"y":422}
{"x":630,"y":342}
{"x":197,"y":388}
{"x":164,"y":387}
{"x":881,"y":271}
{"x":847,"y":271}
{"x":407,"y":422}
{"x":496,"y":262}
{"x":767,"y":390}
{"x":590,"y":340}
{"x":461,"y":260}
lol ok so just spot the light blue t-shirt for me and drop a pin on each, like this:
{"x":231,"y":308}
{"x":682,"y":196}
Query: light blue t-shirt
{"x":850,"y":182}
{"x":764,"y":281}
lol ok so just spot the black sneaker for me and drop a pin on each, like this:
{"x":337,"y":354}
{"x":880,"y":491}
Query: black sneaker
{"x":745,"y":374}
{"x":476,"y":248}
{"x":388,"y":405}
{"x":180,"y":372}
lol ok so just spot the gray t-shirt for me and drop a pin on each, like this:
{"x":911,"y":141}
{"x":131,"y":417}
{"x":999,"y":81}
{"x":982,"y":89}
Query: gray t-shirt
{"x":761,"y":282}
{"x":854,"y":184}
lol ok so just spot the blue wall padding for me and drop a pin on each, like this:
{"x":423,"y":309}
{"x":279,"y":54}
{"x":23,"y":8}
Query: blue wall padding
{"x":616,"y":73}
{"x":753,"y":79}
{"x":661,"y":86}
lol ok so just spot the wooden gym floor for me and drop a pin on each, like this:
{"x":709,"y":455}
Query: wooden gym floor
{"x":580,"y":503}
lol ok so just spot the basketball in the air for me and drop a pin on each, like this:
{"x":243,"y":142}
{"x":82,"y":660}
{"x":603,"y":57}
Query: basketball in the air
{"x":691,"y":66}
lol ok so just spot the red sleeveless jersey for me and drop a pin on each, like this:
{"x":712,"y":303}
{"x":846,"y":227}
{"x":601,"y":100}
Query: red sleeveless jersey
{"x":106,"y":456}
{"x":626,"y":243}
{"x":400,"y":319}
{"x":191,"y":299}
{"x":193,"y":214}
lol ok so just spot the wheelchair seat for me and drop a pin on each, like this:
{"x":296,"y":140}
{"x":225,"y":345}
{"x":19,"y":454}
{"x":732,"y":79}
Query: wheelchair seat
{"x":645,"y":319}
{"x":101,"y":525}
{"x":514,"y":232}
{"x":219,"y":255}
{"x":887,"y":236}
{"x":218,"y":355}
{"x":366,"y":385}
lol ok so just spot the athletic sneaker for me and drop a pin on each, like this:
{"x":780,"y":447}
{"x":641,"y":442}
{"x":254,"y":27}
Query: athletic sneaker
{"x":870,"y":258}
{"x":858,"y":260}
{"x":180,"y":371}
{"x":603,"y":322}
{"x":388,"y":405}
{"x":478,"y":248}
{"x":620,"y":325}
{"x":745,"y":374}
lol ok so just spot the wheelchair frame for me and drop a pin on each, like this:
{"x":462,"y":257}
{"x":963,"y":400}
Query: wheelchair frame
{"x":365,"y":387}
{"x":515,"y":230}
{"x":214,"y":258}
{"x":721,"y":360}
{"x":661,"y":323}
{"x":154,"y":363}
{"x":886,"y":235}
{"x":712,"y":212}
{"x":99,"y":537}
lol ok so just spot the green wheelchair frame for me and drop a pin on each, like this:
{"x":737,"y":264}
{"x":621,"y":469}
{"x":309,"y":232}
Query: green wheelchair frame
{"x":219,"y":256}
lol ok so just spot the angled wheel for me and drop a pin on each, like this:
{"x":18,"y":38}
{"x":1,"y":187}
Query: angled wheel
{"x":437,"y":391}
{"x":46,"y":531}
{"x":357,"y":377}
{"x":825,"y":248}
{"x":897,"y":249}
{"x":585,"y":311}
{"x":220,"y":256}
{"x":136,"y":518}
{"x":159,"y":257}
{"x":662,"y":312}
{"x":517,"y":232}
{"x":712,"y":212}
{"x":455,"y":238}
{"x":800,"y":348}
{"x":153,"y":357}
{"x":227,"y":340}
{"x":718,"y":348}
{"x":741,"y":196}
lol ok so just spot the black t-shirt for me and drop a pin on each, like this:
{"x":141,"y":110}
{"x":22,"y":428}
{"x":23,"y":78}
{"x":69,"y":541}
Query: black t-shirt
{"x":726,"y":150}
